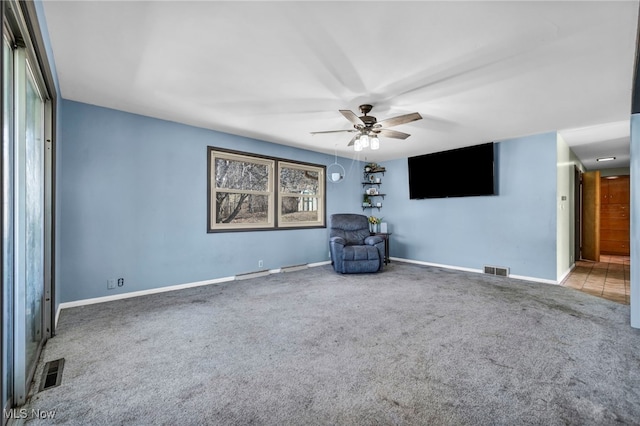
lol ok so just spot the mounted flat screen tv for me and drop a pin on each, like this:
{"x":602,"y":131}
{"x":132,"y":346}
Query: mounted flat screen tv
{"x":462,"y":172}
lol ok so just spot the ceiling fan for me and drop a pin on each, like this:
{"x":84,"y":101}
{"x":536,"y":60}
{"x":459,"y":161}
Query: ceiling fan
{"x":367,"y":128}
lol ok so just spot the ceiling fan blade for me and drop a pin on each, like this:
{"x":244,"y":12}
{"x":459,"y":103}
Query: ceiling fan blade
{"x":353,"y":140}
{"x":334,"y":131}
{"x":392,"y":134}
{"x":401,"y":119}
{"x":350,"y":115}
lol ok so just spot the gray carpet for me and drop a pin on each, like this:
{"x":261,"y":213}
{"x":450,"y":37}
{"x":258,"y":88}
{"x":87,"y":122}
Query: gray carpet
{"x":410,"y":346}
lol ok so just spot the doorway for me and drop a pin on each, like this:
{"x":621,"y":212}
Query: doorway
{"x":604,"y":203}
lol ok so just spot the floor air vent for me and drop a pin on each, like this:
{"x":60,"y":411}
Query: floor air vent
{"x":52,"y":374}
{"x":496,"y":270}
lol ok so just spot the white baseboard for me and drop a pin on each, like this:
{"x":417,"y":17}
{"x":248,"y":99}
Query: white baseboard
{"x":255,"y":274}
{"x":439,"y":265}
{"x":477,"y":271}
{"x":294,"y":268}
{"x":566,"y":274}
{"x":129,"y":295}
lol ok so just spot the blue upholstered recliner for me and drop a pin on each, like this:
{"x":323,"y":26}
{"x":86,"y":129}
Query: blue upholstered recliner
{"x":353,"y":249}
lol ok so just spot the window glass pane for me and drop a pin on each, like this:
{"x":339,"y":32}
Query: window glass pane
{"x":34,"y":221}
{"x":299,"y":209}
{"x":298,"y":181}
{"x":241,"y":175}
{"x":235,"y":207}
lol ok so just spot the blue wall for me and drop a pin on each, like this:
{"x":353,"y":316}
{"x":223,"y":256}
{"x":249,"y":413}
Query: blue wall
{"x":635,"y":221}
{"x":516,"y":229}
{"x":133,"y":205}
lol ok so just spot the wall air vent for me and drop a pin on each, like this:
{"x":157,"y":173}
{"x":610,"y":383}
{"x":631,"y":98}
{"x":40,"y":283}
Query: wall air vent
{"x":293,"y":268}
{"x":256,"y":274}
{"x":503,"y":272}
{"x":496,"y":270}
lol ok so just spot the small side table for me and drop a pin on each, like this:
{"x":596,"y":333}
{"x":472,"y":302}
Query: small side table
{"x":385,"y":236}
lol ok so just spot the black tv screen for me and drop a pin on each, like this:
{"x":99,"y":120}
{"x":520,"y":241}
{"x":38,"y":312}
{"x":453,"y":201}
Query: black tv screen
{"x":462,"y":172}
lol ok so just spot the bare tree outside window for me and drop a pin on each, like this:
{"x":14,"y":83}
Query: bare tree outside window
{"x":249,"y":201}
{"x":243,"y":196}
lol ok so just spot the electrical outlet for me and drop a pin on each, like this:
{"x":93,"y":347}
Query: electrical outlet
{"x":260,"y":263}
{"x":111,"y":283}
{"x":120,"y":282}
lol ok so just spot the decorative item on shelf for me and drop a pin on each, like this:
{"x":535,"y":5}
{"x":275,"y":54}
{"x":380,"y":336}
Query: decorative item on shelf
{"x":374,"y":224}
{"x":374,"y":168}
{"x":371,"y":185}
{"x":370,"y":167}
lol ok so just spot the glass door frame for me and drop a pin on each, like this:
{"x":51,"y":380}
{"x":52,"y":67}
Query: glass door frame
{"x":29,"y":62}
{"x":6,"y":222}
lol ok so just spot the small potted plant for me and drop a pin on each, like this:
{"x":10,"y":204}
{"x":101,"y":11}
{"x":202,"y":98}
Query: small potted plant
{"x":374,"y":224}
{"x":366,"y":202}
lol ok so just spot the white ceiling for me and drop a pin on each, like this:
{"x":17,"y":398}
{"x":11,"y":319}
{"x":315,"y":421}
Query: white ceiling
{"x":476,"y":71}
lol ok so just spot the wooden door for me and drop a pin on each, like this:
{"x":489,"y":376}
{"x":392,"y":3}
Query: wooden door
{"x":591,"y":215}
{"x":614,"y":216}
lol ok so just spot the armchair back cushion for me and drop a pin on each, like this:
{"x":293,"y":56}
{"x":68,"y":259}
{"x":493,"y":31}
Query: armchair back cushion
{"x":353,"y":228}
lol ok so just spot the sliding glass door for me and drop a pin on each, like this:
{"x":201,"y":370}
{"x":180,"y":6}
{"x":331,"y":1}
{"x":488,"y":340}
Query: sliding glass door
{"x":26,"y":210}
{"x":29,"y":221}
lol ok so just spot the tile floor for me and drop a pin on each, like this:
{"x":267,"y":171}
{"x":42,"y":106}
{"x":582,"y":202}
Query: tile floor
{"x":608,"y":278}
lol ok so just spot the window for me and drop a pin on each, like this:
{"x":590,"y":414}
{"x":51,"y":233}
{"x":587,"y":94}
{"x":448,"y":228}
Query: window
{"x":252,"y":192}
{"x":301,"y":194}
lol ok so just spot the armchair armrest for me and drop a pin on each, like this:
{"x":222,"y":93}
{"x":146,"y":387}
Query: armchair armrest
{"x":337,"y":240}
{"x":373,"y":240}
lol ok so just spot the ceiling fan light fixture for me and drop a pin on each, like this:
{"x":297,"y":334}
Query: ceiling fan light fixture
{"x":375,"y":142}
{"x":367,"y":127}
